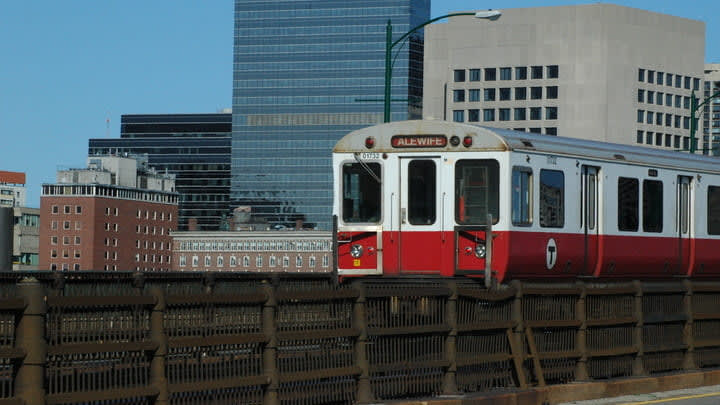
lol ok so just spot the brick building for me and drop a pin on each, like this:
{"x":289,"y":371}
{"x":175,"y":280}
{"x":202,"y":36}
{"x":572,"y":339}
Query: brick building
{"x":114,"y":215}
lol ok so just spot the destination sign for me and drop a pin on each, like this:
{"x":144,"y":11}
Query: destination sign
{"x":418,"y":141}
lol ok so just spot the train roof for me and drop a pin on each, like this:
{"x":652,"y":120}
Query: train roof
{"x":498,"y":139}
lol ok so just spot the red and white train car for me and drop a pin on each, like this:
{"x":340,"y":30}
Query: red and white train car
{"x":424,"y":197}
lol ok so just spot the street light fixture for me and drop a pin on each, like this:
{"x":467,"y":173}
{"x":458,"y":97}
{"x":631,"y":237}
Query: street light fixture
{"x":694,"y":107}
{"x":389,"y":45}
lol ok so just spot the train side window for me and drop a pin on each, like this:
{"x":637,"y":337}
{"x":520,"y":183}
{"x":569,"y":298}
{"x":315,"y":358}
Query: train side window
{"x":628,"y":200}
{"x":422,"y":195}
{"x":552,"y":198}
{"x":713,"y":210}
{"x":476,"y":191}
{"x":652,"y":206}
{"x":522,"y":196}
{"x":361,"y":192}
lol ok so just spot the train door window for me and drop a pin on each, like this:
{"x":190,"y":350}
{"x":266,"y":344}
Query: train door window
{"x":552,"y":199}
{"x":683,"y":204}
{"x":628,"y":200}
{"x":522,"y":196}
{"x":422,"y":194}
{"x":361,"y":192}
{"x":652,"y":206}
{"x":476,"y":191}
{"x":713,"y":210}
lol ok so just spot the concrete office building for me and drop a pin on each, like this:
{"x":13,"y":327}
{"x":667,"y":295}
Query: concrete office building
{"x":305,"y":73}
{"x":709,"y":119}
{"x":115,"y":215}
{"x":193,"y":147}
{"x":597,"y":71}
{"x":12,"y":189}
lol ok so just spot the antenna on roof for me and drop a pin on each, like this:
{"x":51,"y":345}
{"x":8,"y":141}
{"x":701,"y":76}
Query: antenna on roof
{"x":107,"y":124}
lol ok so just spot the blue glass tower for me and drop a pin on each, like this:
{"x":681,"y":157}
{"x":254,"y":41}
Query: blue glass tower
{"x":305,"y":73}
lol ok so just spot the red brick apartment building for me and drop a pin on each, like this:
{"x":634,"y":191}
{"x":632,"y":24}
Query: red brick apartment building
{"x":113,"y":216}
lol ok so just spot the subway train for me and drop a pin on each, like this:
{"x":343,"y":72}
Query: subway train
{"x":440,"y":198}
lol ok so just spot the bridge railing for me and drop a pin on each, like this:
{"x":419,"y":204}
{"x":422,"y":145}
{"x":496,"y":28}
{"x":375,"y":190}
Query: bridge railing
{"x":197,"y":338}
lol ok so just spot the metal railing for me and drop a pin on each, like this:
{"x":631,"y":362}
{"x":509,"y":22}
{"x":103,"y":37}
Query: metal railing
{"x":197,"y":338}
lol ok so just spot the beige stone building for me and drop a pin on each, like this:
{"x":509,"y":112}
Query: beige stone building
{"x":710,"y":115}
{"x":253,"y":251}
{"x":596,"y":71}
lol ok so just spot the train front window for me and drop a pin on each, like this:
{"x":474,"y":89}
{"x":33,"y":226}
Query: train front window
{"x":361,"y":192}
{"x":476,"y":191}
{"x":421,"y":192}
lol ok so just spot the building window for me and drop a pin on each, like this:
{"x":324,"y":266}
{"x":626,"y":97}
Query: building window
{"x":505,"y":73}
{"x":628,"y":204}
{"x":641,"y":75}
{"x":286,"y":261}
{"x":535,"y":113}
{"x":551,"y":92}
{"x":658,"y":139}
{"x":536,"y":93}
{"x":474,"y":75}
{"x":195,"y":261}
{"x":519,"y":114}
{"x":651,"y":76}
{"x":696,"y":84}
{"x":668,"y":140}
{"x":648,"y":138}
{"x":53,"y":253}
{"x":676,"y":142}
{"x":233,"y":261}
{"x":77,"y":241}
{"x":658,"y":118}
{"x":459,"y":116}
{"x":459,"y":75}
{"x":641,"y":96}
{"x":298,"y":261}
{"x":273,"y":261}
{"x":677,"y":121}
{"x":182,"y":261}
{"x":553,"y":72}
{"x":678,"y":101}
{"x":326,"y":261}
{"x":489,"y":94}
{"x":535,"y":130}
{"x":258,"y":262}
{"x":640,"y":116}
{"x":550,"y":113}
{"x":474,"y":94}
{"x":551,"y":131}
{"x":66,"y":224}
{"x":668,"y":120}
{"x":686,"y":122}
{"x":649,"y":117}
{"x":536,"y":72}
{"x":54,"y":225}
{"x":504,"y":114}
{"x":505,"y":94}
{"x":668,"y":100}
{"x":67,"y":209}
{"x":687,"y":82}
{"x":651,"y":97}
{"x":473,"y":115}
{"x":107,"y":210}
{"x":686,"y":103}
{"x":55,"y":209}
{"x":78,"y":209}
{"x":678,"y":81}
{"x":458,"y":96}
{"x":220,"y":261}
{"x":311,"y":262}
{"x":208,"y":262}
{"x":552,"y":199}
{"x":668,"y":79}
{"x":489,"y":114}
{"x":490,"y":74}
{"x":520,"y":93}
{"x":521,"y":73}
{"x":660,"y":76}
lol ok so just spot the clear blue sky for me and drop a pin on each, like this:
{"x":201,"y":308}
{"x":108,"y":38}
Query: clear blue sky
{"x":66,"y":67}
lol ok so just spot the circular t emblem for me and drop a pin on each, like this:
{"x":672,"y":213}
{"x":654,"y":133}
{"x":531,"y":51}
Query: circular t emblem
{"x":550,"y":254}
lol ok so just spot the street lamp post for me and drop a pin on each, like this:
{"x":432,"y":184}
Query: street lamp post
{"x":694,"y":107}
{"x":389,"y":45}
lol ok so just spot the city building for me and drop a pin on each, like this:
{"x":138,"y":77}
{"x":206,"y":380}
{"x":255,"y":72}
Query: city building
{"x":710,"y":122}
{"x":12,"y":189}
{"x":596,"y":71}
{"x":26,"y":231}
{"x":193,"y":147}
{"x":254,"y":251}
{"x":117,"y":214}
{"x":304,"y":75}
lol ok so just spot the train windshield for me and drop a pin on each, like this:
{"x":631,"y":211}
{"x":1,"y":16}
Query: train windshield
{"x":361,"y":192}
{"x":476,"y":191}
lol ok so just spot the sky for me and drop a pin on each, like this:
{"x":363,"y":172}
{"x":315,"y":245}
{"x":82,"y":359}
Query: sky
{"x":70,"y":69}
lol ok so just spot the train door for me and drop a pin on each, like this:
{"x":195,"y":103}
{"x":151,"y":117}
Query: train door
{"x":421,"y":214}
{"x":684,"y":223}
{"x":589,"y":214}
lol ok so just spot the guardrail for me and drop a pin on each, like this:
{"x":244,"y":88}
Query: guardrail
{"x":197,"y":338}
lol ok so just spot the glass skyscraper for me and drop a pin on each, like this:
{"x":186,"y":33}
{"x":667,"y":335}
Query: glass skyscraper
{"x":193,"y":147}
{"x":305,"y":73}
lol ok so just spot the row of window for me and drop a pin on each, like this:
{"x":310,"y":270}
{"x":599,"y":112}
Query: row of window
{"x":656,"y":118}
{"x":109,"y":191}
{"x":660,"y":139}
{"x":67,"y":209}
{"x":660,"y":98}
{"x":150,"y":230}
{"x":504,"y":114}
{"x":272,"y":261}
{"x":66,"y":266}
{"x":680,"y":81}
{"x":505,"y":94}
{"x":155,"y":215}
{"x":152,"y":258}
{"x":66,"y":240}
{"x":151,"y":245}
{"x":66,"y":225}
{"x":506,"y":73}
{"x":65,"y":253}
{"x":257,"y":245}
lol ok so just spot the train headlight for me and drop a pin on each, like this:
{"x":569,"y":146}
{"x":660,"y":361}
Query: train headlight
{"x":480,"y":250}
{"x":356,"y":251}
